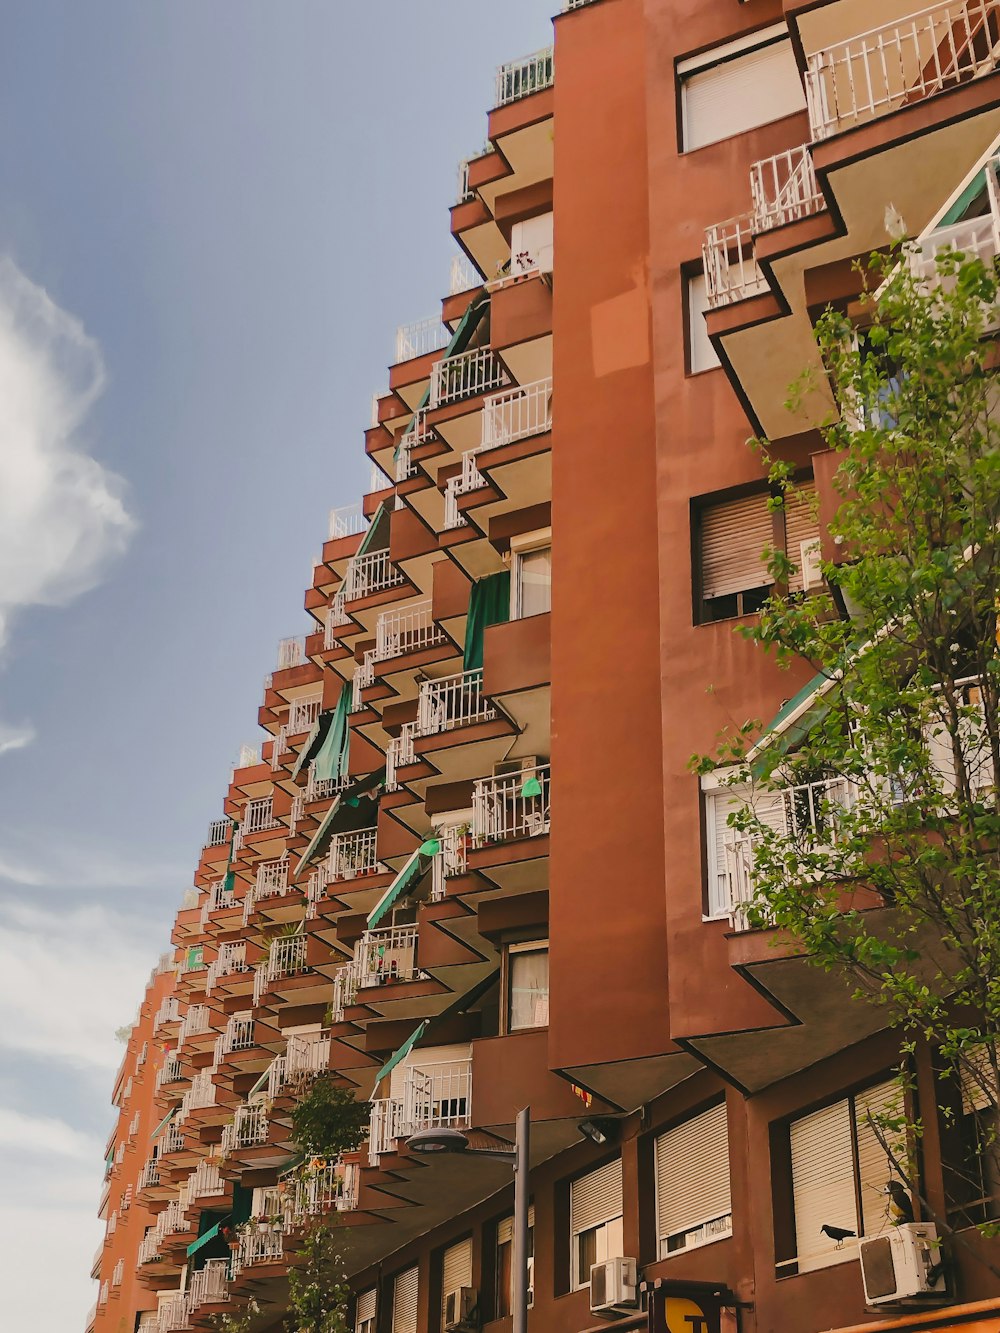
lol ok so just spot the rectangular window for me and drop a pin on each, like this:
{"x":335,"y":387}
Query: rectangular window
{"x":839,"y":1175}
{"x":503,"y":1295}
{"x":701,"y":354}
{"x":595,"y":1220}
{"x":531,"y":575}
{"x":738,"y":86}
{"x":365,"y":1318}
{"x":727,"y":847}
{"x":527,"y":986}
{"x":456,"y":1271}
{"x":531,"y":244}
{"x":405,"y":1291}
{"x":692,"y":1183}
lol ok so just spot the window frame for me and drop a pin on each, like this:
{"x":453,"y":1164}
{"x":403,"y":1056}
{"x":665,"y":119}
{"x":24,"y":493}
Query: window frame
{"x":511,"y":951}
{"x":691,"y":277}
{"x":577,"y":1280}
{"x":526,"y":544}
{"x":690,"y":1120}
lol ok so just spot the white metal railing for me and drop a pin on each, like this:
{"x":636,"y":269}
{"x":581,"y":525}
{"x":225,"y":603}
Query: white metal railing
{"x":353,"y":854}
{"x":384,"y":1127}
{"x":258,"y":815}
{"x":258,"y":1245}
{"x":421,"y":337}
{"x":387,"y":954}
{"x":210,"y":1285}
{"x":172,"y":1140}
{"x":239,"y":1034}
{"x":370,"y":573}
{"x":517,"y":413}
{"x":219,"y":832}
{"x":194,"y":1023}
{"x":286,"y":957}
{"x":912,"y":58}
{"x":408,"y":630}
{"x":972,"y":734}
{"x":347,"y":521}
{"x":520,"y":78}
{"x":336,"y":618}
{"x":173,"y":1315}
{"x":463,"y":483}
{"x":221,"y":895}
{"x":291,"y":653}
{"x":315,"y":892}
{"x":318,"y":789}
{"x":464,"y":275}
{"x":171,"y":1071}
{"x":272,"y":879}
{"x":200,"y":1094}
{"x":117,"y":1273}
{"x":305,"y":1057}
{"x":346,"y":981}
{"x":465,"y":376}
{"x":784,"y":188}
{"x":452,"y":701}
{"x":149,"y":1247}
{"x":450,"y":860}
{"x":731,"y":272}
{"x":328,"y":1188}
{"x":364,"y":676}
{"x":149,"y":1176}
{"x":303,"y":714}
{"x":232,"y":958}
{"x":205,"y":1181}
{"x":168,"y":1012}
{"x":399,"y":752}
{"x":435,"y":1096}
{"x":248,"y":1130}
{"x":501,"y":809}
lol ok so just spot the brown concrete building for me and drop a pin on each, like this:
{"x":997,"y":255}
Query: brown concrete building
{"x":470,"y":869}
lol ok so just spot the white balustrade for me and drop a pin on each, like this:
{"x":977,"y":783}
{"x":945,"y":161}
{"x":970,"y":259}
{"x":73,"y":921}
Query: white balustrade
{"x":210,"y":1285}
{"x":450,"y":860}
{"x":370,"y":573}
{"x":452,"y":701}
{"x":399,"y":753}
{"x":173,"y":1315}
{"x":195,"y":1022}
{"x":205,"y":1182}
{"x":346,"y":981}
{"x":171,"y":1071}
{"x":517,"y":414}
{"x":466,"y":375}
{"x":239,"y":1034}
{"x":501,"y":810}
{"x":272,"y":879}
{"x":248,"y":1130}
{"x":436,"y":1095}
{"x":286,"y":957}
{"x":347,"y":521}
{"x":278,"y":747}
{"x":387,"y":955}
{"x":352,"y":854}
{"x":336,"y":618}
{"x":258,"y":816}
{"x":364,"y":676}
{"x":232,"y":959}
{"x":168,"y":1012}
{"x":291,"y":653}
{"x":731,"y":272}
{"x":464,"y":276}
{"x":201,"y":1094}
{"x":149,"y":1176}
{"x":900,"y":63}
{"x":305,"y":1057}
{"x":463,"y":483}
{"x":784,"y":189}
{"x":222,"y":894}
{"x":219,"y":832}
{"x":520,"y":78}
{"x":258,"y":1245}
{"x":172,"y":1139}
{"x":320,"y":789}
{"x":421,"y":337}
{"x":118,"y":1272}
{"x":303,"y":714}
{"x":407,"y":630}
{"x":385,"y":1127}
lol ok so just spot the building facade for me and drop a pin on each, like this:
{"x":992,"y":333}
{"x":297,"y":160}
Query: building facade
{"x":470,"y":869}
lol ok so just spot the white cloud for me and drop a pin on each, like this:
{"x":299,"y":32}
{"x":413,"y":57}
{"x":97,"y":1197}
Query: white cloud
{"x":13,"y":737}
{"x":47,"y":1253}
{"x":85,"y":864}
{"x":43,"y":1134}
{"x":69,"y":980}
{"x":62,"y":515}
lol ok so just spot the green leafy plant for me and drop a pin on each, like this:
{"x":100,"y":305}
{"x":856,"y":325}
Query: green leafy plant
{"x":236,"y":1323}
{"x":889,"y":796}
{"x":328,"y":1120}
{"x":319,"y":1297}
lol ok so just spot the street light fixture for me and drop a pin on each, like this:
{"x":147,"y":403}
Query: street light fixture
{"x":448,"y":1140}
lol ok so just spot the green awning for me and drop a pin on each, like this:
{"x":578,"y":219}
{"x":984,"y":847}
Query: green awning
{"x":320,"y":838}
{"x":969,"y":195}
{"x":164,"y":1123}
{"x":209,"y":1236}
{"x":410,"y":875}
{"x":402,"y":1053}
{"x":460,"y":340}
{"x":489,"y":604}
{"x":377,"y":528}
{"x":313,"y":741}
{"x":793,"y":721}
{"x":331,"y":757}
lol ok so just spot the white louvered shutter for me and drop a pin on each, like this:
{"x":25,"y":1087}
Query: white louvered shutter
{"x":404,"y":1301}
{"x":801,"y":529}
{"x":733,"y":536}
{"x":702,"y":355}
{"x":721,"y":839}
{"x":692,"y":1177}
{"x":721,"y":96}
{"x":596,"y":1198}
{"x":366,"y":1311}
{"x":874,"y":1171}
{"x":456,"y":1270}
{"x":505,"y":1227}
{"x":822,"y":1182}
{"x":979,"y":1090}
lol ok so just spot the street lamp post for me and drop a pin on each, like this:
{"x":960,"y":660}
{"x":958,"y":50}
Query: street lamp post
{"x":449,"y":1140}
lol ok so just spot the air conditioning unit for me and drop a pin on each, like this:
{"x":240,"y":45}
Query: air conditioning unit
{"x":613,"y":1286}
{"x":458,"y":1309}
{"x":810,"y":558}
{"x":903,"y":1263}
{"x":511,"y":767}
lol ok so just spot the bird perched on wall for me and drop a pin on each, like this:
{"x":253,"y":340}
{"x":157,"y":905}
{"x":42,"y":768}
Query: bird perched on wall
{"x":839,"y":1234}
{"x":900,"y":1203}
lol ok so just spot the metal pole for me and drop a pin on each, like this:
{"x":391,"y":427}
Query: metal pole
{"x":521,"y":1192}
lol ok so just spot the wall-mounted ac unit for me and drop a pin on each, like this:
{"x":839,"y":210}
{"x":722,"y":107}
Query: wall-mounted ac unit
{"x":508,"y":767}
{"x":458,"y":1309}
{"x":810,"y":557}
{"x":903,"y":1263}
{"x":613,"y":1286}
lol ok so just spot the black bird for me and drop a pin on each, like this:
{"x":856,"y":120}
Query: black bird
{"x":901,"y":1205}
{"x":839,"y":1234}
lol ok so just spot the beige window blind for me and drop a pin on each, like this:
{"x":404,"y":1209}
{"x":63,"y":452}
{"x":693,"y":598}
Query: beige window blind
{"x":733,"y":536}
{"x":366,"y":1311}
{"x":728,"y":90}
{"x":801,"y":529}
{"x":596,"y":1198}
{"x":822,"y":1182}
{"x":692,"y":1179}
{"x":456,"y":1270}
{"x":404,"y":1301}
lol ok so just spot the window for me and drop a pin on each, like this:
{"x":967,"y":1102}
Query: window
{"x":979,"y":1178}
{"x":839,"y":1174}
{"x":405,"y":1291}
{"x":527,"y":986}
{"x":726,"y":847}
{"x":503,"y":1295}
{"x":456,"y":1271}
{"x":701,"y":354}
{"x":365,"y":1319}
{"x":732,"y":537}
{"x":531,"y":575}
{"x":531,"y":244}
{"x":692,"y":1183}
{"x":595,"y":1220}
{"x":738,"y":86}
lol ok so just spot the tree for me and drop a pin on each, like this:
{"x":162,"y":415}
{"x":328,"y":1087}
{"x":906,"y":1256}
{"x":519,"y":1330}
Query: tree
{"x":888,"y":797}
{"x":319,"y":1297}
{"x":328,"y":1120}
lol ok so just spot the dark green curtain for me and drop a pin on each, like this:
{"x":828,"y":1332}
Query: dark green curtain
{"x":489,"y":604}
{"x":331,"y":759}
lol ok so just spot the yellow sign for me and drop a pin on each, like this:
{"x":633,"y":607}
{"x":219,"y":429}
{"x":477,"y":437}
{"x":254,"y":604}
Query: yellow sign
{"x":684,"y":1316}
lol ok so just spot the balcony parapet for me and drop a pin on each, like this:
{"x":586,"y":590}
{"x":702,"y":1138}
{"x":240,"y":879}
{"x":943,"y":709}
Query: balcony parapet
{"x":731,"y":271}
{"x":249,"y":1129}
{"x":784,"y":189}
{"x":467,"y":375}
{"x":387,"y":954}
{"x":435,"y":1096}
{"x":408,"y":630}
{"x":524,"y":76}
{"x":232,"y":959}
{"x":421,"y":337}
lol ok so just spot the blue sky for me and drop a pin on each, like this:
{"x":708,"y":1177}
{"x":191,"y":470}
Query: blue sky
{"x":212,"y":218}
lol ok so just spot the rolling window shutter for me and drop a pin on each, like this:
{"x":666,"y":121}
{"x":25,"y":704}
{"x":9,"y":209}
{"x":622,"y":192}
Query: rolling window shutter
{"x":822,"y":1181}
{"x":801,"y":526}
{"x":404,"y":1302}
{"x":366,"y":1307}
{"x":719,"y":806}
{"x":722,"y":97}
{"x":733,"y":536}
{"x":692,"y":1174}
{"x":505,"y":1227}
{"x":979,"y":1090}
{"x":874,"y":1170}
{"x":596,"y":1198}
{"x":456,"y":1270}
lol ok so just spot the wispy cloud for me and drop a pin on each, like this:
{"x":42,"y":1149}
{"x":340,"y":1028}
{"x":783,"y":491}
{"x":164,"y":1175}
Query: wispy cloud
{"x":27,"y":861}
{"x":14,"y":737}
{"x":62,"y":515}
{"x":44,"y":1134}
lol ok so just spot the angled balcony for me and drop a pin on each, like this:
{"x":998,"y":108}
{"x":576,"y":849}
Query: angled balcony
{"x":231,"y":961}
{"x":411,"y":629}
{"x":249,"y":1129}
{"x":386,"y":956}
{"x":523,"y":77}
{"x":210,"y":1285}
{"x":784,"y":189}
{"x":305,"y":1057}
{"x":434,"y":1095}
{"x":456,"y":379}
{"x":420,"y":338}
{"x":219,"y":832}
{"x":452,"y":702}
